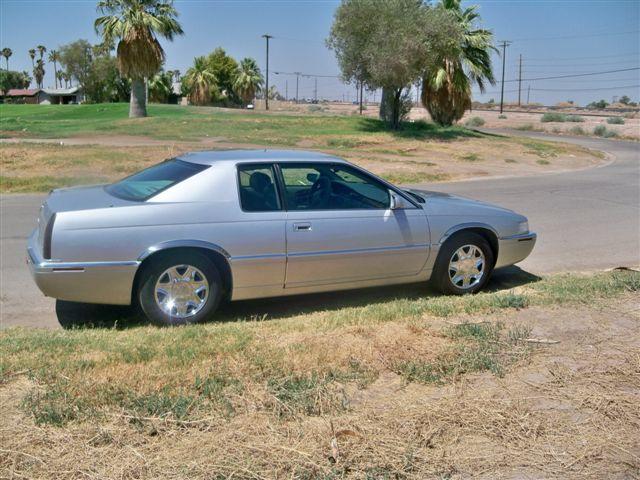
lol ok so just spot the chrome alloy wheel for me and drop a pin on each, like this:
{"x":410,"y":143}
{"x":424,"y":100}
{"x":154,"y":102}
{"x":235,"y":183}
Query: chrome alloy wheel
{"x":181,"y":291}
{"x":467,"y":267}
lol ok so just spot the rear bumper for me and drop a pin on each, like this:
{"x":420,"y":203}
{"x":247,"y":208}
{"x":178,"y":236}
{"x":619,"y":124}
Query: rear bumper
{"x":515,"y":248}
{"x":88,"y":282}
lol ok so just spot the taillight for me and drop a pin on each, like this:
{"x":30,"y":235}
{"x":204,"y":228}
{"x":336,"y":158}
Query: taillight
{"x":46,"y":244}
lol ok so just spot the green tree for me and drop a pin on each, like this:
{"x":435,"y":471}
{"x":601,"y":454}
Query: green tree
{"x":160,"y":87}
{"x":248,"y":81}
{"x":389,"y":44}
{"x":54,"y":57}
{"x":6,"y":53}
{"x":76,"y":58}
{"x":446,"y":85}
{"x":199,"y":82}
{"x":624,"y":99}
{"x":225,"y":69}
{"x":60,"y":77}
{"x":10,"y":79}
{"x":136,"y":24}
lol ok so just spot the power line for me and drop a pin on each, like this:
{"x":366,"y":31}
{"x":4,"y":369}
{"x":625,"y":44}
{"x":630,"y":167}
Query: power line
{"x":574,"y":75}
{"x":636,"y":54}
{"x":563,"y":37}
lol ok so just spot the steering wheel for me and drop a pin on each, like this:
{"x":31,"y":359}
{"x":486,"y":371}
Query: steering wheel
{"x":320,"y":192}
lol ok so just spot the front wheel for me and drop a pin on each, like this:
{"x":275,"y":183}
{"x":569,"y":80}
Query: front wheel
{"x":464,"y":264}
{"x":178,"y":289}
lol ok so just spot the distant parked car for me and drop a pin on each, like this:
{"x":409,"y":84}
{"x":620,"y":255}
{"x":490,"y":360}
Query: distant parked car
{"x":250,"y":106}
{"x":180,"y":236}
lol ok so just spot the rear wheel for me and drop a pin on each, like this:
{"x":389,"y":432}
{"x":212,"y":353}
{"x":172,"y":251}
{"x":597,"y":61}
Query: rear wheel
{"x":464,"y":264}
{"x":180,"y":288}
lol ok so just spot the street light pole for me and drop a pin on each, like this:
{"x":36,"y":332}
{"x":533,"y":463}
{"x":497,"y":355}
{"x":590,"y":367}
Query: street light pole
{"x":266,"y":94}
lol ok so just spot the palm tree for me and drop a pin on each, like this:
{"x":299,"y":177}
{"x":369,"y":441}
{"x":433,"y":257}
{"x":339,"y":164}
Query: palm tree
{"x":176,"y":75}
{"x":38,"y":72}
{"x":6,"y":53}
{"x":54,"y":57}
{"x":136,"y":24}
{"x":199,"y":80}
{"x":446,"y":89}
{"x":32,"y":54}
{"x":249,"y":80}
{"x":160,"y":87}
{"x":41,"y":49}
{"x":60,"y":77}
{"x":27,"y":79}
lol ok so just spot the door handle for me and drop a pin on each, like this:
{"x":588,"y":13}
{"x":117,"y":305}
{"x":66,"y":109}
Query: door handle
{"x":302,"y":227}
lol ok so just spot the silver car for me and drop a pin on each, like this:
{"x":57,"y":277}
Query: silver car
{"x":179,"y":237}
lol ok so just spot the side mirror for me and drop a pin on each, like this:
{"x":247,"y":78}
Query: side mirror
{"x":397,"y":202}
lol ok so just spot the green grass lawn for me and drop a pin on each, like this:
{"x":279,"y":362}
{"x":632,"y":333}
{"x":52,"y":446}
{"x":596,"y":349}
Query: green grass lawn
{"x":172,"y":122}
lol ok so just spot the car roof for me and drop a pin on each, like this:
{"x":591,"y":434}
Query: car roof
{"x":254,"y":155}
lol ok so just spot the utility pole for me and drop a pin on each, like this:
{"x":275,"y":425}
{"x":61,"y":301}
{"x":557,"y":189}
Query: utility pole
{"x":519,"y":79}
{"x":315,"y":90}
{"x":528,"y":93}
{"x":286,"y":90}
{"x":297,"y":81}
{"x":504,"y":54}
{"x":361,"y":97}
{"x":266,"y":95}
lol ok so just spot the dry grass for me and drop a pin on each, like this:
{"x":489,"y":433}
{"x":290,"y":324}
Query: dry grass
{"x":330,"y":394}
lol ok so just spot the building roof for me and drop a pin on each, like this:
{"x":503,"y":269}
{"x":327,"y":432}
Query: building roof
{"x":22,"y":92}
{"x":62,"y":91}
{"x":210,"y":157}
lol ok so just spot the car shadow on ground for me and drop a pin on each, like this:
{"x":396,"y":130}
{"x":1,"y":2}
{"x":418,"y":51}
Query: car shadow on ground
{"x":104,"y":316}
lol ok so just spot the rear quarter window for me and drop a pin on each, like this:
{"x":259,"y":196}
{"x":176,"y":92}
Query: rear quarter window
{"x":143,"y":185}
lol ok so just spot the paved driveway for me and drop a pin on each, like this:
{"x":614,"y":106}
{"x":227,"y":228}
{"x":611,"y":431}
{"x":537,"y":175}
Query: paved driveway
{"x":585,"y":220}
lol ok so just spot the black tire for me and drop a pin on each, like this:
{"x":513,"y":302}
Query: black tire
{"x":441,"y":278}
{"x":77,"y":315}
{"x":151,"y":274}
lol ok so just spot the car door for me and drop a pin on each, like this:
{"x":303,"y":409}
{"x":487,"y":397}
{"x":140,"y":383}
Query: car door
{"x":341,"y":227}
{"x":258,"y":234}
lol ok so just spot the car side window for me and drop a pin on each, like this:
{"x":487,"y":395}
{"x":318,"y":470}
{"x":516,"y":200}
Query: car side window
{"x":258,"y":188}
{"x":326,"y":186}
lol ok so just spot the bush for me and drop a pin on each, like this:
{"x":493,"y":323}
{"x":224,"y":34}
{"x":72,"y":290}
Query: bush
{"x":574,"y":118}
{"x":615,"y":121}
{"x":502,"y":117}
{"x":474,"y":122}
{"x":577,"y":130}
{"x":553,"y":117}
{"x":601,"y":131}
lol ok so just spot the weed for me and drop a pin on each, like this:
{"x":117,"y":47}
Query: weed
{"x":615,"y":121}
{"x":542,"y":161}
{"x":470,"y":157}
{"x":502,"y":117}
{"x":527,"y":127}
{"x":577,"y":130}
{"x":553,"y":117}
{"x":510,"y":160}
{"x":574,"y":118}
{"x":474,"y":122}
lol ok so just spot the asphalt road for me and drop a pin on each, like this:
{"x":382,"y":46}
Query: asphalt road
{"x":585,"y":220}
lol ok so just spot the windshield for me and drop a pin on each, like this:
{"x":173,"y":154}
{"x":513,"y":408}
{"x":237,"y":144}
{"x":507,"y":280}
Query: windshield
{"x":151,"y":181}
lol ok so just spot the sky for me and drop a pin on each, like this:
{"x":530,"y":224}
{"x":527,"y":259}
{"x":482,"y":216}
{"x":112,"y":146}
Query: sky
{"x":555,"y":38}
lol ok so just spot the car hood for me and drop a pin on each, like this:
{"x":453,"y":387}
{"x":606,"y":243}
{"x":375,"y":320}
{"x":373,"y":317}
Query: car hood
{"x":447,"y":204}
{"x":82,"y":198}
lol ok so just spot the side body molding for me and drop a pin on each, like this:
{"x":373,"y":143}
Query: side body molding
{"x":184,"y":244}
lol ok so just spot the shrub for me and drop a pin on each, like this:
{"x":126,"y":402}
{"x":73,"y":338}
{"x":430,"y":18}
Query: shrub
{"x":601,"y":131}
{"x":574,"y":118}
{"x":577,"y":130}
{"x":615,"y":121}
{"x":526,"y":127}
{"x":502,"y":117}
{"x":553,"y":117}
{"x":474,"y":122}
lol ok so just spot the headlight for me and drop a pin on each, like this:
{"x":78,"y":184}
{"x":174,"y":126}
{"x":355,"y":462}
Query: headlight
{"x":523,"y":227}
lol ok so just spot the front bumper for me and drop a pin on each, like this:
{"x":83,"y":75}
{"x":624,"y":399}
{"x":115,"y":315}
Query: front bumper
{"x":88,"y":282}
{"x":515,"y":248}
